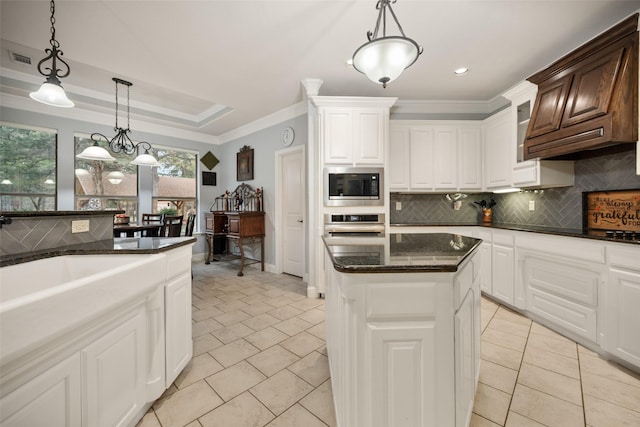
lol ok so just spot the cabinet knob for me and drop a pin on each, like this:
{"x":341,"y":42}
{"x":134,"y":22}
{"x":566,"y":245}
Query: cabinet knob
{"x":300,"y":220}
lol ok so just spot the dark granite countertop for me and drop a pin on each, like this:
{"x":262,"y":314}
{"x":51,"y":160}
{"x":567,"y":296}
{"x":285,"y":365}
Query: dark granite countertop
{"x":40,"y":214}
{"x":129,"y":245}
{"x":558,"y":231}
{"x":401,"y":253}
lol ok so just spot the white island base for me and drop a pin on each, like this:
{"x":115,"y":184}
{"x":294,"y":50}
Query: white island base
{"x":404,"y":347}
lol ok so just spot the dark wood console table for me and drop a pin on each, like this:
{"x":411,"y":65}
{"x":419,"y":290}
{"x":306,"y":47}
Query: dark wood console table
{"x":235,"y":225}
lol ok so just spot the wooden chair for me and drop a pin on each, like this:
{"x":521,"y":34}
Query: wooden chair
{"x":191,"y":222}
{"x":152,"y":217}
{"x":171,"y":226}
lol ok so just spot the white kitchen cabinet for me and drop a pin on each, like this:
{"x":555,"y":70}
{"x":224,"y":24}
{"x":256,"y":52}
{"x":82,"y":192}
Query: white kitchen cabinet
{"x":486,"y":279}
{"x":421,"y":157}
{"x":179,"y":344}
{"x":469,"y":158}
{"x":353,"y":131}
{"x":52,"y":398}
{"x":535,"y":172}
{"x":502,"y":266}
{"x":114,"y":373}
{"x":496,"y":142}
{"x":427,"y":156}
{"x":622,"y":301}
{"x":465,"y":360}
{"x":562,"y":277}
{"x":399,"y":157}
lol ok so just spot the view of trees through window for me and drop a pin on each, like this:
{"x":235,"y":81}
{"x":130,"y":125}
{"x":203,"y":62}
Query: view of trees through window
{"x":28,"y":174}
{"x":175,"y":183}
{"x":106,"y":185}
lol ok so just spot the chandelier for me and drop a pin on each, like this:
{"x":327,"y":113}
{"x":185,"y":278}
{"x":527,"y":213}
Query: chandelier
{"x":51,"y":91}
{"x":383,"y":59}
{"x":121,"y":142}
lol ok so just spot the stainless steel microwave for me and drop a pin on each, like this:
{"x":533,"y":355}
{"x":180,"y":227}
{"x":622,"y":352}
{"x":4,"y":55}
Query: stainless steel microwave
{"x":349,"y":186}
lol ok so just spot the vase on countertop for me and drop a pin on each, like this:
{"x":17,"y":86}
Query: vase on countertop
{"x":487,"y":215}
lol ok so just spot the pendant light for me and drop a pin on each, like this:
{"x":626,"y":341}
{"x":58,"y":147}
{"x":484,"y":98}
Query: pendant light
{"x":121,"y":142}
{"x":51,"y":91}
{"x":383,"y":59}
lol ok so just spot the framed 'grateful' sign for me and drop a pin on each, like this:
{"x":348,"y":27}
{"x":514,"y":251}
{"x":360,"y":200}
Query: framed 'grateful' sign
{"x":612,"y":210}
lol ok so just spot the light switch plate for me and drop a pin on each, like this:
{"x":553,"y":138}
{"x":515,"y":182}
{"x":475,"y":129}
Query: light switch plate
{"x":398,"y":206}
{"x":81,"y":226}
{"x":532,"y":205}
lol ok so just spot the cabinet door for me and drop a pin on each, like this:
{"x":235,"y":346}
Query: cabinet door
{"x":338,"y":135}
{"x":445,"y":160}
{"x":485,"y":271}
{"x":469,"y":158}
{"x":369,"y":137}
{"x":549,"y":106}
{"x":51,"y":399}
{"x":464,"y":359}
{"x":421,"y":147}
{"x":592,"y":88}
{"x":502,"y":272}
{"x":497,"y":151}
{"x":115,"y":374}
{"x":178,"y":341}
{"x":398,"y":175}
{"x":622,"y":317}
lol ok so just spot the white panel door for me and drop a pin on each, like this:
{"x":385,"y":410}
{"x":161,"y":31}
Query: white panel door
{"x":421,"y":161}
{"x":503,"y":273}
{"x":338,"y":135}
{"x":622,"y":330}
{"x":369,"y":137}
{"x":293,"y":196}
{"x":497,"y":150}
{"x":178,"y":341}
{"x":445,"y":162}
{"x":115,"y":374}
{"x":398,"y":175}
{"x":470,"y":158}
{"x":465,"y":360}
{"x":51,"y":399}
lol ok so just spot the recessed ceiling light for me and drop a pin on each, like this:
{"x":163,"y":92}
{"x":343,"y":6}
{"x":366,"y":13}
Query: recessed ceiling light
{"x":461,"y":71}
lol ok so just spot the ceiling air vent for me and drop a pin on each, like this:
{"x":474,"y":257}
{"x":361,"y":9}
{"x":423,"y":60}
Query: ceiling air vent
{"x":20,"y":59}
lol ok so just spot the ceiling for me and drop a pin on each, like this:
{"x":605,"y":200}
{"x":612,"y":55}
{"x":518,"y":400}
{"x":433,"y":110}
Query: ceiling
{"x":213,"y":66}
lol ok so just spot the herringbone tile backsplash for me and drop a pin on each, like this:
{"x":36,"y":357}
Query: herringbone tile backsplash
{"x":558,"y":207}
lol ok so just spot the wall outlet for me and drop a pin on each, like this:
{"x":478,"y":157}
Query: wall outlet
{"x":532,"y":205}
{"x":81,"y":226}
{"x":398,"y":206}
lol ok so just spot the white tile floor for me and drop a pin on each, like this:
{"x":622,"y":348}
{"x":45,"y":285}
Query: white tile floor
{"x":260,"y":360}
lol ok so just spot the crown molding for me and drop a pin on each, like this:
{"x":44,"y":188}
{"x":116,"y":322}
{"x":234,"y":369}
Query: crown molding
{"x":273,"y":119}
{"x":26,"y":104}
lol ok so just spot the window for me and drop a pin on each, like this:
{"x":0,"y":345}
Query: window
{"x":28,"y":169}
{"x":106,"y":185}
{"x":174,"y":182}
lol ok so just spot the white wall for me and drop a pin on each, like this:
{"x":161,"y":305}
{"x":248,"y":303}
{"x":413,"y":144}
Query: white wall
{"x":265,"y":144}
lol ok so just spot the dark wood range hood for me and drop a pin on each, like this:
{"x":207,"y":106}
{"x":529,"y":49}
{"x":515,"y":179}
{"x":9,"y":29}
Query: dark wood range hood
{"x":588,"y":100}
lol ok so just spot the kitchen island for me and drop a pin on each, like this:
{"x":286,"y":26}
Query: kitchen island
{"x":403,"y":329}
{"x":93,"y":334}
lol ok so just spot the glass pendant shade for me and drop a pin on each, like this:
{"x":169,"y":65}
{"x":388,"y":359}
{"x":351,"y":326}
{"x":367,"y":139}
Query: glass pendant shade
{"x":145,"y":159}
{"x":115,"y":177}
{"x":52,"y":94}
{"x":94,"y":152}
{"x":383,"y":60}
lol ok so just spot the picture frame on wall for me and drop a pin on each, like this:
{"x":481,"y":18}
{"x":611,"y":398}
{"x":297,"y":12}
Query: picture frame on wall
{"x":244,"y":166}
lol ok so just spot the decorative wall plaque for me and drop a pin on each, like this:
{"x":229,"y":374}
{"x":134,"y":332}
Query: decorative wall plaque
{"x":209,"y":160}
{"x":244,"y":159}
{"x":612,"y":210}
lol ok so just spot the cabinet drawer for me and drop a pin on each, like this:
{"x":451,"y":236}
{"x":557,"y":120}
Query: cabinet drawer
{"x":566,"y":280}
{"x":574,"y":317}
{"x":503,"y":238}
